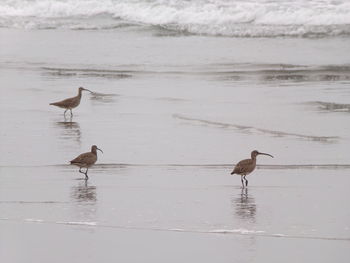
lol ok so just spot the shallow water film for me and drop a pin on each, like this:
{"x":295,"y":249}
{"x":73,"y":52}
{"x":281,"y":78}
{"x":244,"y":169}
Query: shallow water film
{"x":176,"y":102}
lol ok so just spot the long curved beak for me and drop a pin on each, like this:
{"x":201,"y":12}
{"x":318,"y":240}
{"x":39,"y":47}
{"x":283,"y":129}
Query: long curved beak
{"x":100,"y":150}
{"x":87,"y":90}
{"x":265,"y":154}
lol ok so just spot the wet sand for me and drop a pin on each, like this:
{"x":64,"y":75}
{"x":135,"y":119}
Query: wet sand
{"x":172,"y":122}
{"x":172,"y":214}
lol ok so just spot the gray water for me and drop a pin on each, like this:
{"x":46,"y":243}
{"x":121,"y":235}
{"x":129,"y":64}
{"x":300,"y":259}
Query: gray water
{"x":173,"y":114}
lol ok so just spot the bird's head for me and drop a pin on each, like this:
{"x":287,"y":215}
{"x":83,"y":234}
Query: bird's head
{"x":94,"y":149}
{"x":255,"y":153}
{"x":81,"y":89}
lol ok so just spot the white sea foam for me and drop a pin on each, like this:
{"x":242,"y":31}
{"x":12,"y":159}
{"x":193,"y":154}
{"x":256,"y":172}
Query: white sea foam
{"x":77,"y":223}
{"x":33,"y":220}
{"x":214,"y":17}
{"x":237,"y":231}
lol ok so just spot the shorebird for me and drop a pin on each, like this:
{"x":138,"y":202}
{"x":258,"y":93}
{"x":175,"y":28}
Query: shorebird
{"x":70,"y":103}
{"x":245,"y":167}
{"x":85,"y":160}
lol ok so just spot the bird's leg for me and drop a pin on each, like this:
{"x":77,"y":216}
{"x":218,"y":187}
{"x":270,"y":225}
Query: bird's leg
{"x":242,"y":181}
{"x":80,"y":171}
{"x":246,"y":181}
{"x":64,"y":114}
{"x":86,"y":176}
{"x":71,"y":113}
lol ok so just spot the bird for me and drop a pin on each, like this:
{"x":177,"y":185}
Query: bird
{"x":70,"y":103}
{"x":245,"y":167}
{"x":86,"y":160}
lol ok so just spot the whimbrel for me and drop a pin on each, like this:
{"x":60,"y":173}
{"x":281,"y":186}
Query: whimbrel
{"x":70,"y":103}
{"x":85,"y":160}
{"x":245,"y":167}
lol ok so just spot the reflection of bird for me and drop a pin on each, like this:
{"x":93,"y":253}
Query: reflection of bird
{"x":84,"y":193}
{"x":245,"y":167}
{"x":69,"y":130}
{"x":70,"y":103}
{"x":245,"y":205}
{"x":85,"y":160}
{"x":68,"y":125}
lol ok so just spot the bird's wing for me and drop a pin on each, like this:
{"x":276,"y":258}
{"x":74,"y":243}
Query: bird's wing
{"x":65,"y":102}
{"x":240,"y":166}
{"x":81,"y":158}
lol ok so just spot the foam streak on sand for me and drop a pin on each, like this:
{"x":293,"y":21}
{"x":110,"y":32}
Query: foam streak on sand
{"x":266,"y":72}
{"x":257,"y":233}
{"x":78,"y":223}
{"x":219,"y":17}
{"x":250,"y":129}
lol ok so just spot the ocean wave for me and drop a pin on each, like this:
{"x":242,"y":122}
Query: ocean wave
{"x":250,"y":18}
{"x":331,"y":106}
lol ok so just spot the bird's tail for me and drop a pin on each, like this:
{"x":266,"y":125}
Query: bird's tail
{"x":54,"y":103}
{"x":233,"y":172}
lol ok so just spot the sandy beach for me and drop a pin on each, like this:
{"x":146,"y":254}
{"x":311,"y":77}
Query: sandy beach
{"x":174,"y":107}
